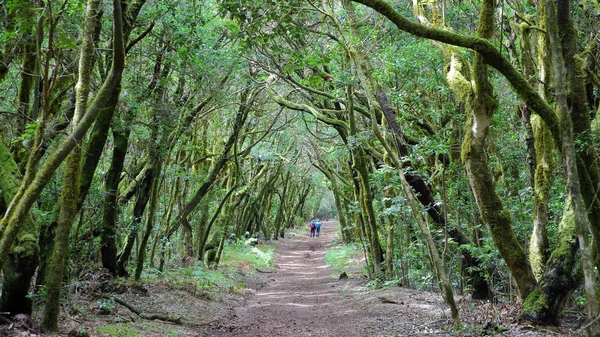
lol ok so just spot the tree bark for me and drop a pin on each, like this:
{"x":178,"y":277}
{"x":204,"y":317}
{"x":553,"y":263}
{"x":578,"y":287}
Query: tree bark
{"x":154,"y":190}
{"x":538,"y":244}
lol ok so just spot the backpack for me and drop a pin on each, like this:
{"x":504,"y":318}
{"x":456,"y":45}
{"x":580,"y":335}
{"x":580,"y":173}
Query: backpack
{"x":312,"y":225}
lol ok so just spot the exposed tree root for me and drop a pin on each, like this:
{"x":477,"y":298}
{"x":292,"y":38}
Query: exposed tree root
{"x":387,"y":300}
{"x":143,"y":314}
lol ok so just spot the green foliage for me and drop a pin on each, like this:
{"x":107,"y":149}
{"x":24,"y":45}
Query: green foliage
{"x":28,"y":134}
{"x":202,"y":280}
{"x":106,"y":305}
{"x":39,"y":296}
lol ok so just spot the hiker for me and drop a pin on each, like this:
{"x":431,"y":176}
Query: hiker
{"x":312,"y":229}
{"x":318,"y":227}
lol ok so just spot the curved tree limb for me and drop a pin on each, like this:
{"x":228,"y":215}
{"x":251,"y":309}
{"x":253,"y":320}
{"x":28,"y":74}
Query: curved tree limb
{"x":491,"y":56}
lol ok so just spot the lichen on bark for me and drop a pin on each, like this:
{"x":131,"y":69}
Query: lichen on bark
{"x":538,"y":243}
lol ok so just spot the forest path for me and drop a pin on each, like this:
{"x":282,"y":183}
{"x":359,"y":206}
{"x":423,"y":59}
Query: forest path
{"x":302,"y":298}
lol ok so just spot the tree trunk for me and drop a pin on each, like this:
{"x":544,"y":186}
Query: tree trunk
{"x":481,"y":106}
{"x":70,"y":185}
{"x":22,"y":261}
{"x":538,"y":244}
{"x":24,"y":97}
{"x":155,"y":186}
{"x":214,"y":218}
{"x":280,"y":212}
{"x":188,"y":239}
{"x":545,"y":303}
{"x":32,"y":187}
{"x":108,"y":228}
{"x":365,"y":197}
{"x":562,"y":63}
{"x":143,"y":196}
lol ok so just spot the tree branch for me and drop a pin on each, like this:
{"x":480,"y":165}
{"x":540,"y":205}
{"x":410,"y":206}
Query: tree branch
{"x":490,"y":54}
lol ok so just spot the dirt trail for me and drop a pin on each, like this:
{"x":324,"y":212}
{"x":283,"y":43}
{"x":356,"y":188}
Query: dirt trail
{"x":302,"y":298}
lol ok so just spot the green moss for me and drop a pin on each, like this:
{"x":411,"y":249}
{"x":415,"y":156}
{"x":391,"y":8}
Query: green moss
{"x":461,"y":87}
{"x":567,"y":241}
{"x":535,"y":303}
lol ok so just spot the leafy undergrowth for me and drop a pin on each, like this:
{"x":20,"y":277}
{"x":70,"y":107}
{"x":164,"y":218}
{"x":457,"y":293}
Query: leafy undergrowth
{"x":191,"y":295}
{"x":238,"y":261}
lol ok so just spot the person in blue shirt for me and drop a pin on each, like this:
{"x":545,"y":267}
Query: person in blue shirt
{"x":318,"y":227}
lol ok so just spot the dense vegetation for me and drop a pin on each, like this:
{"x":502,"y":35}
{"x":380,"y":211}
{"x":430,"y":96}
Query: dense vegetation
{"x":140,"y":136}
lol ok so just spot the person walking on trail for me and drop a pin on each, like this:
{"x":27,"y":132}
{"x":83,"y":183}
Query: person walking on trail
{"x":312,"y":228}
{"x":318,"y":227}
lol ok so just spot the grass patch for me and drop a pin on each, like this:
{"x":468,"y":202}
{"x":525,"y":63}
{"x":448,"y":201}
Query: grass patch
{"x":238,"y":254}
{"x":117,"y":331}
{"x":343,"y":257}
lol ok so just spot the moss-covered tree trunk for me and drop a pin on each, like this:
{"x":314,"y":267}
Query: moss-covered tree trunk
{"x":481,"y":106}
{"x":365,"y":198}
{"x":110,"y":211}
{"x":70,"y":184}
{"x":341,"y":210}
{"x":539,"y":150}
{"x":150,"y":218}
{"x":544,"y":306}
{"x":586,"y":157}
{"x":143,"y":196}
{"x":188,"y":239}
{"x":538,"y":244}
{"x":28,"y":74}
{"x":214,"y":218}
{"x":36,"y":180}
{"x":280,"y":217}
{"x":22,"y":260}
{"x":390,"y":223}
